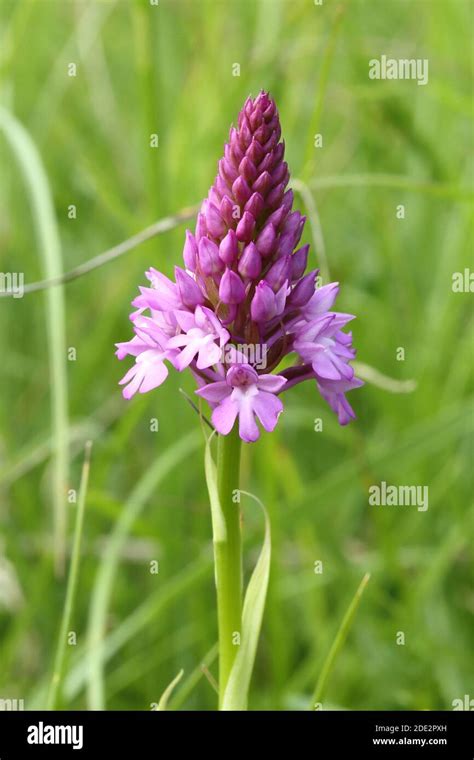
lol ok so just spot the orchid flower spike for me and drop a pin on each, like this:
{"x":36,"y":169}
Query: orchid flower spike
{"x":243,"y":301}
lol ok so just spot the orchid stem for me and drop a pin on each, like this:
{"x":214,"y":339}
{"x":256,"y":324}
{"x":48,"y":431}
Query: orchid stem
{"x":228,"y":556}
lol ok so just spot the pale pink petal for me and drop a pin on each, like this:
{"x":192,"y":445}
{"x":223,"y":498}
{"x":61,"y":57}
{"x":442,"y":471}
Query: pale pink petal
{"x":215,"y":392}
{"x":248,"y":428}
{"x":223,"y":416}
{"x":268,"y":408}
{"x":271,"y":383}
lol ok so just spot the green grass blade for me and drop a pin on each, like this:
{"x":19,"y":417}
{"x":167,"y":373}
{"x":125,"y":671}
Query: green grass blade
{"x":148,"y":233}
{"x":316,"y":229}
{"x":373,"y":376}
{"x":338,"y":641}
{"x":58,"y":673}
{"x":101,"y":593}
{"x":163,"y":703}
{"x":49,"y":246}
{"x":393,"y":181}
{"x":194,"y":678}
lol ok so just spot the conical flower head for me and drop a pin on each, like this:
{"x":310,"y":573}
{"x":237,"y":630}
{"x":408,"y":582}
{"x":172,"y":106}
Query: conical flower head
{"x":243,"y":301}
{"x":247,"y":218}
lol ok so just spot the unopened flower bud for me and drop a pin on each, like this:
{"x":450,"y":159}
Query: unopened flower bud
{"x":231,"y":288}
{"x":229,"y":248}
{"x":250,"y":263}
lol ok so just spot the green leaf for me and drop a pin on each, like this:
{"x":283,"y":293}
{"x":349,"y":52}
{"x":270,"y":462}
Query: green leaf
{"x":219,"y":532}
{"x":168,"y":691}
{"x":236,"y":693}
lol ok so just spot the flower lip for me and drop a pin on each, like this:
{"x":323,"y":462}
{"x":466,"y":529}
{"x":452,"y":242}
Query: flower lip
{"x":242,"y":376}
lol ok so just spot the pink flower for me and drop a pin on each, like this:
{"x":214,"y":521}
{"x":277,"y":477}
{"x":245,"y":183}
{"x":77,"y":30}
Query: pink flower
{"x":247,"y":395}
{"x":244,"y":290}
{"x":150,"y":351}
{"x":201,"y":330}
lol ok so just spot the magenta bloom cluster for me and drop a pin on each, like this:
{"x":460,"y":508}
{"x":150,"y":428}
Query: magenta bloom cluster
{"x":242,"y":302}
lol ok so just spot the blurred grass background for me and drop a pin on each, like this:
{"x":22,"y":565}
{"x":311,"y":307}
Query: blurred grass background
{"x":168,"y":70}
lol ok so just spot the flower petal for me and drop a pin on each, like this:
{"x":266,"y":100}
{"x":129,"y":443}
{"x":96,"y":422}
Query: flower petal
{"x":248,"y":428}
{"x":215,"y":392}
{"x":271,"y":383}
{"x":268,"y":408}
{"x":223,"y":416}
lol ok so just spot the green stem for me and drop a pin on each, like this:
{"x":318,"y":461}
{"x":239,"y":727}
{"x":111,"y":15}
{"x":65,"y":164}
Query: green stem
{"x":228,"y":556}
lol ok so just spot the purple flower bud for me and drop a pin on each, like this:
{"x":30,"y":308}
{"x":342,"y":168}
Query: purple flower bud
{"x":299,"y":261}
{"x":279,"y":273}
{"x":262,"y":184}
{"x":266,"y":240}
{"x":201,"y":229}
{"x":263,"y":306}
{"x":229,"y":248}
{"x":189,"y":290}
{"x":290,"y":238}
{"x":272,"y":141}
{"x":299,"y":231}
{"x":227,"y":171}
{"x":227,"y":154}
{"x":279,"y":152}
{"x":275,"y":196}
{"x":231,"y":288}
{"x":226,"y":210}
{"x":209,"y":260}
{"x":280,"y":174}
{"x":190,"y":251}
{"x":247,"y":170}
{"x":214,"y":222}
{"x":267,"y":163}
{"x":277,"y":217}
{"x":302,"y":291}
{"x":287,"y":201}
{"x":214,"y":197}
{"x":292,"y":222}
{"x":254,"y":205}
{"x":245,"y":112}
{"x":270,"y":111}
{"x":245,"y":227}
{"x":236,"y":151}
{"x":221,"y":186}
{"x":261,"y":134}
{"x":241,"y":191}
{"x":286,"y":243}
{"x":255,"y":152}
{"x":280,"y":299}
{"x":250,"y":262}
{"x":245,"y":135}
{"x":255,"y":119}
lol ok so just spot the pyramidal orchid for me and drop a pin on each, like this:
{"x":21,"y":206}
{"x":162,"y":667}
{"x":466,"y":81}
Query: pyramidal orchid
{"x":239,"y":308}
{"x":244,"y":285}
